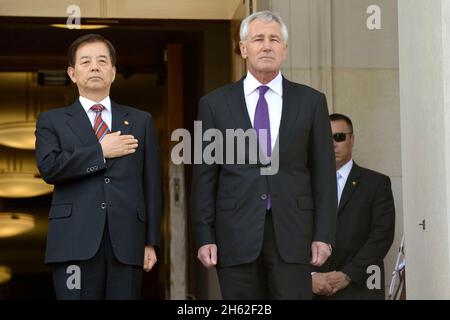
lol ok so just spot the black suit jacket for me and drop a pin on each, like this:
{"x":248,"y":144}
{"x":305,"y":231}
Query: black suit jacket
{"x":88,"y":191}
{"x":229,"y":200}
{"x":364,"y":233}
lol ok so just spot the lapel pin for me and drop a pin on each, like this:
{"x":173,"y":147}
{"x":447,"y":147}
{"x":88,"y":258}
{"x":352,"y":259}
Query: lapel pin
{"x":126,"y":122}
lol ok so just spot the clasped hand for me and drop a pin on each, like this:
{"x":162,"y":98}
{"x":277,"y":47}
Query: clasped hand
{"x":328,"y":283}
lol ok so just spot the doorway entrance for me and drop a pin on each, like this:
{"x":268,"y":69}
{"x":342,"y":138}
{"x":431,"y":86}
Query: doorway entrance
{"x":163,"y":67}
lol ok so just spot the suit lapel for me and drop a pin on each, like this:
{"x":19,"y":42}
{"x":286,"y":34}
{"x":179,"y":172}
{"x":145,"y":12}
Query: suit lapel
{"x":120,"y":122}
{"x":237,"y":106}
{"x":80,"y":124}
{"x":350,"y":186}
{"x":289,"y":114}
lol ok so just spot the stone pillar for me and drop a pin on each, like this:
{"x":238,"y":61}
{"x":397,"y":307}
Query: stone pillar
{"x":309,"y":59}
{"x":366,"y":88}
{"x":424,"y":47}
{"x":333,"y":50}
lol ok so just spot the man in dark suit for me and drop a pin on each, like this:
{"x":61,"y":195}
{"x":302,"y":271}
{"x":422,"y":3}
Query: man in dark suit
{"x":262,"y":231}
{"x":105,"y":215}
{"x":365,"y":227}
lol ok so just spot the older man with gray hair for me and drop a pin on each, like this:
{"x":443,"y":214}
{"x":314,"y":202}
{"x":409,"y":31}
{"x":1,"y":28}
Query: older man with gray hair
{"x":263,"y":232}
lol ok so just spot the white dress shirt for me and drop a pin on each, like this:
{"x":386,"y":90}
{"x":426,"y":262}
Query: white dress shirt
{"x":106,"y":113}
{"x":274,"y":98}
{"x":342,"y":176}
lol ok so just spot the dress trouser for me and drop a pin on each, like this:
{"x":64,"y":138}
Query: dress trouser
{"x":101,"y":277}
{"x":269,"y":277}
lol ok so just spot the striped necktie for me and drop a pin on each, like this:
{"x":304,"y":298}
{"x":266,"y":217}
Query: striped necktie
{"x":100,"y":127}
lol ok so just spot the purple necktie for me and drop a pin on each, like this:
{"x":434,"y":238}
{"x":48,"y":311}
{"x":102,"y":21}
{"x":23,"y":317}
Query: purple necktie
{"x":262,"y":121}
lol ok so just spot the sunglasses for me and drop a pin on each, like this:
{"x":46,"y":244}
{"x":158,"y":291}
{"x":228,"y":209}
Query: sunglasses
{"x":341,"y":136}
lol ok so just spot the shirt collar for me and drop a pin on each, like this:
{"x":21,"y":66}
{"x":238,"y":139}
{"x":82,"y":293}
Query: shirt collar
{"x":251,"y":84}
{"x":344,"y":171}
{"x":87,"y":103}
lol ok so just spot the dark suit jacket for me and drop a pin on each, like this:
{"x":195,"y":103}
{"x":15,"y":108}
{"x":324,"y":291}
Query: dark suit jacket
{"x":229,"y":200}
{"x":364,"y":233}
{"x":88,"y":190}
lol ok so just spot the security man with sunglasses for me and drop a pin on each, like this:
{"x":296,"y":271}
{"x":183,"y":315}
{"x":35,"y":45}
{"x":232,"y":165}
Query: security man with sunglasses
{"x":365,"y":226}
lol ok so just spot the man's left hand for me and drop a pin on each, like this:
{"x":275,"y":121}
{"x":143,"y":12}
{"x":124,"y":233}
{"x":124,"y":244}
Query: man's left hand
{"x":320,"y":251}
{"x":149,"y":258}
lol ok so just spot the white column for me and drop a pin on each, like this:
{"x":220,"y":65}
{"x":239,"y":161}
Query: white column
{"x":366,"y":88}
{"x":424,"y":50}
{"x":310,"y":55}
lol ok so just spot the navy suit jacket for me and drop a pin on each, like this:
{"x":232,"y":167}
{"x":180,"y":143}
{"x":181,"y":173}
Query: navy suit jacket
{"x":88,"y":191}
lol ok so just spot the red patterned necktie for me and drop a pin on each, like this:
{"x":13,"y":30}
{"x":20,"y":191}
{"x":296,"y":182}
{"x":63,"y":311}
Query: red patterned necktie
{"x":100,"y":127}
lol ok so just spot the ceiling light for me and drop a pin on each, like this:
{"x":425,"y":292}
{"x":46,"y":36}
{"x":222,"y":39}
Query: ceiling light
{"x":22,"y":185}
{"x":82,"y":26}
{"x":5,"y":274}
{"x":19,"y":135}
{"x":13,"y":224}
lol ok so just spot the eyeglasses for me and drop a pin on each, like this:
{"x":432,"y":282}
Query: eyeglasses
{"x":341,"y":136}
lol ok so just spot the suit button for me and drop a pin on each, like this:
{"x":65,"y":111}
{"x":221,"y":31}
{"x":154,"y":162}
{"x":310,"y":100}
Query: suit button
{"x":103,"y":205}
{"x":107,"y":180}
{"x":264,"y":196}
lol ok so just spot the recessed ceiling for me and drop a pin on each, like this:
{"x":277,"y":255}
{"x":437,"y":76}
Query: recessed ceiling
{"x":29,"y":44}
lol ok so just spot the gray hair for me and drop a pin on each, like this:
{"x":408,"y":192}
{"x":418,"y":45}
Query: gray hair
{"x":266,"y":16}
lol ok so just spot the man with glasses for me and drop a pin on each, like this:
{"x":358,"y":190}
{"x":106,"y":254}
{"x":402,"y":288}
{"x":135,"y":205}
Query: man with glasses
{"x":365,"y":227}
